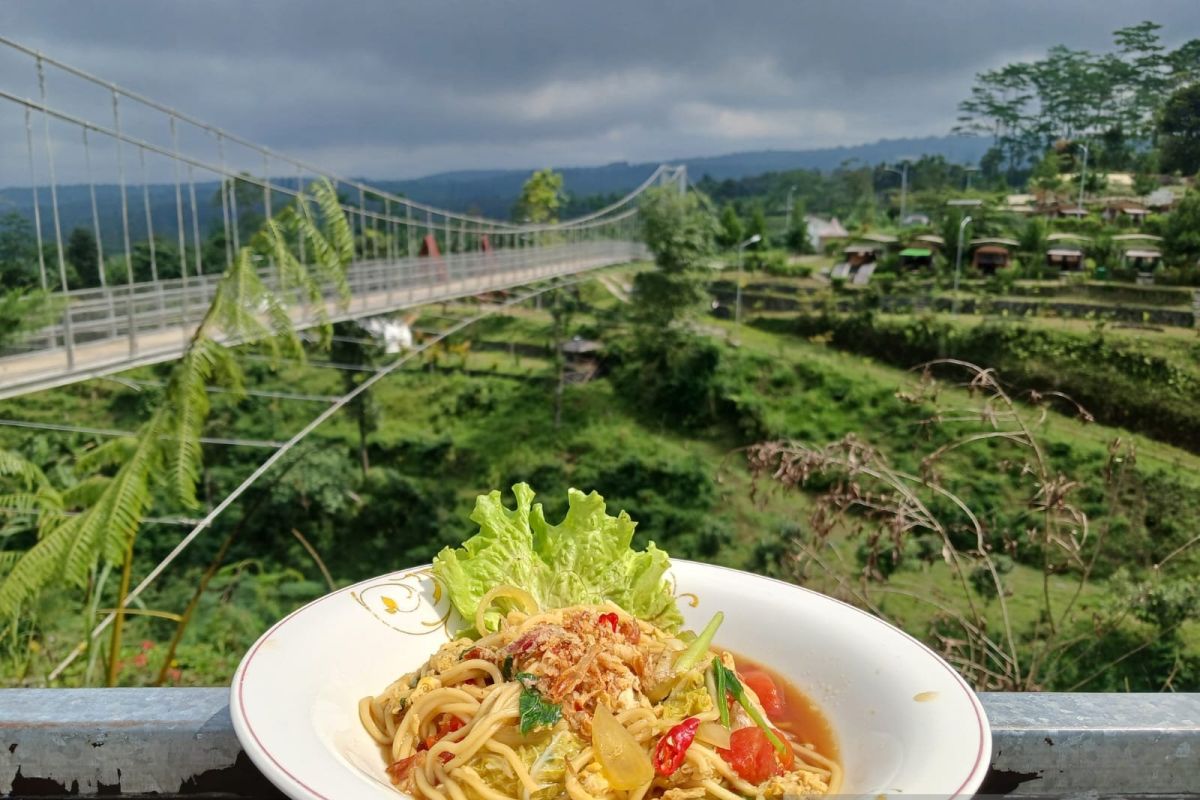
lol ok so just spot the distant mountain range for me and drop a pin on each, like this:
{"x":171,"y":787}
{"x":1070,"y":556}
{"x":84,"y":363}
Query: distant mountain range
{"x":493,"y":192}
{"x":489,"y":192}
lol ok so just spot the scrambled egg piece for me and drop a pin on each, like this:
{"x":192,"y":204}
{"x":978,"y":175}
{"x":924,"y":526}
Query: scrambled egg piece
{"x":794,"y":784}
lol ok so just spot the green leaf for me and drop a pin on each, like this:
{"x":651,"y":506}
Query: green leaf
{"x":587,"y":558}
{"x":536,"y":711}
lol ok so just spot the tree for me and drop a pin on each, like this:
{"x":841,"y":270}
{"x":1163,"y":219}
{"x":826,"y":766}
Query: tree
{"x":797,"y":233}
{"x":24,"y":310}
{"x":1045,"y":175}
{"x":18,"y":252}
{"x":1179,"y":132}
{"x":679,"y":232}
{"x":562,"y":304}
{"x":82,"y":254}
{"x":758,"y":225}
{"x":1110,"y":98}
{"x":541,"y":197}
{"x":1033,"y":243}
{"x":247,"y":200}
{"x":347,"y":349}
{"x":1181,"y":233}
{"x":731,"y":231}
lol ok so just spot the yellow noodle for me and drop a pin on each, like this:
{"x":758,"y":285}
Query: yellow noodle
{"x":719,"y":791}
{"x":474,"y":691}
{"x":452,"y":787}
{"x":426,"y":787}
{"x":463,"y":668}
{"x":367,"y":717}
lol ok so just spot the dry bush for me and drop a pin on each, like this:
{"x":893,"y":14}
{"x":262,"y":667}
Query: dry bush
{"x":890,"y":512}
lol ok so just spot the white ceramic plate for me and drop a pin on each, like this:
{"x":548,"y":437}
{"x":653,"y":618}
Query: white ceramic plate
{"x":905,"y":722}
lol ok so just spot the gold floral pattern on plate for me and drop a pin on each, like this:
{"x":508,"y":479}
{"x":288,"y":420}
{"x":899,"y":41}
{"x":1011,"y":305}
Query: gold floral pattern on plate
{"x":413,"y":602}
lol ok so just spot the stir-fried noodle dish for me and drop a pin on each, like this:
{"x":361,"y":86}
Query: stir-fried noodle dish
{"x":590,"y":702}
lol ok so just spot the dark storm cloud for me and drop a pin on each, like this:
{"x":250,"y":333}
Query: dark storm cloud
{"x":403,"y":88}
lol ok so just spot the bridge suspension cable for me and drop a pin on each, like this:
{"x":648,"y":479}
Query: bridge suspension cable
{"x":269,"y":154}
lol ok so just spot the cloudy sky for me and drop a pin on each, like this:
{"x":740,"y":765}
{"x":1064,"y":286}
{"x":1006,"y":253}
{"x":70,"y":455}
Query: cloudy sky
{"x":390,"y":88}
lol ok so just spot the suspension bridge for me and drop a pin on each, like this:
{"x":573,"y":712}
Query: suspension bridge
{"x":104,"y":135}
{"x":158,"y":264}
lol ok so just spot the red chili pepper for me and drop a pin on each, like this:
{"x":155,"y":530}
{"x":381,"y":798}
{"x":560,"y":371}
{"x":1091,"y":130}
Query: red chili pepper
{"x":671,"y":748}
{"x":610,"y":619}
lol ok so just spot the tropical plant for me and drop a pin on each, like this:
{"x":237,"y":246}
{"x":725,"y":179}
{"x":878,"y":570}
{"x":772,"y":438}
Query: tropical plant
{"x":98,"y":518}
{"x":541,"y":197}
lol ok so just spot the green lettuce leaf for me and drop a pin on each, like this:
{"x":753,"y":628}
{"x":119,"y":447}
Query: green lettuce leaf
{"x":586,"y":558}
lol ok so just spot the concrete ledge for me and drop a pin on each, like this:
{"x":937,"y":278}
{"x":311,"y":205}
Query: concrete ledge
{"x":180,"y":743}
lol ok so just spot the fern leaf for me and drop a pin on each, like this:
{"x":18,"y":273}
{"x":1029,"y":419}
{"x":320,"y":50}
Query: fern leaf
{"x":111,"y":453}
{"x":17,"y":466}
{"x":337,"y":228}
{"x":86,"y":493}
{"x":187,"y":407}
{"x":36,"y":567}
{"x":67,"y":552}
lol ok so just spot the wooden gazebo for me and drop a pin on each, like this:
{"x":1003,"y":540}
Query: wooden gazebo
{"x":1066,"y":251}
{"x":990,"y":255}
{"x":1139,"y":251}
{"x":918,"y":254}
{"x":862,"y":253}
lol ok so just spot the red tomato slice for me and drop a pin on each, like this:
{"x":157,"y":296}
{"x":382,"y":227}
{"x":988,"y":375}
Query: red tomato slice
{"x":768,"y":693}
{"x":752,"y":757}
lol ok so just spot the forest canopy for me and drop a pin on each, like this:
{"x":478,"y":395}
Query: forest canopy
{"x":1113,"y":100}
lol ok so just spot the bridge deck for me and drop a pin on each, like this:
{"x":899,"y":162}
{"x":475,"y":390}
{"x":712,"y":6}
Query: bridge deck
{"x":125,"y":327}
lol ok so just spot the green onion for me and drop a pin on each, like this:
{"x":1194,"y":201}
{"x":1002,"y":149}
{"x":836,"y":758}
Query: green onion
{"x":721,"y":691}
{"x":727,"y":681}
{"x":696,"y":650}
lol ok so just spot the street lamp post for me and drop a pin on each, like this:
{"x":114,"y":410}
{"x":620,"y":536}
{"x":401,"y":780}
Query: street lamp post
{"x":903,"y":173}
{"x":958,"y":260}
{"x":1083,"y":173}
{"x":737,"y":305}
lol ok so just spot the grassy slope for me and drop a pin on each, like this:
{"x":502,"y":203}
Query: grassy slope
{"x":513,"y":433}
